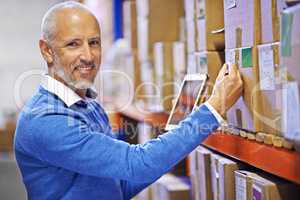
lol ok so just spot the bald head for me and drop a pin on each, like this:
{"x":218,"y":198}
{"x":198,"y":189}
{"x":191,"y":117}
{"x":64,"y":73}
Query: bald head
{"x":60,"y":13}
{"x":71,"y":44}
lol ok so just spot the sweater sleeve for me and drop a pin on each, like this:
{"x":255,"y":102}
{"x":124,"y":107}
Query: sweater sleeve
{"x":66,"y":141}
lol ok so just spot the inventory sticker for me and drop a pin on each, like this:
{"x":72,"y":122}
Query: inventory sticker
{"x":247,"y":57}
{"x":286,"y":33}
{"x":266,"y":68}
{"x":203,"y":65}
{"x":230,"y":56}
{"x":257,"y":193}
{"x":241,"y":188}
{"x":201,"y":9}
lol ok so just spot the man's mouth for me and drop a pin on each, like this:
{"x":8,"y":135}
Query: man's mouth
{"x":85,"y":68}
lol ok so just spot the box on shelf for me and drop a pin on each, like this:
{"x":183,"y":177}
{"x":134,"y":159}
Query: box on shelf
{"x":130,"y":23}
{"x":289,"y":58}
{"x":157,"y":21}
{"x":204,"y":173}
{"x":209,"y":62}
{"x":242,"y":23}
{"x":200,"y":173}
{"x":241,"y":114}
{"x":210,"y":25}
{"x":191,"y":35}
{"x":222,"y":174}
{"x":170,"y":187}
{"x":270,"y":86}
{"x":164,"y":73}
{"x":270,"y":20}
{"x":253,"y":186}
{"x":179,"y":58}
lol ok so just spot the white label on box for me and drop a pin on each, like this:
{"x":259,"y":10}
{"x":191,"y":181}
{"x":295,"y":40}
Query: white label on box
{"x":266,"y":68}
{"x":230,"y":4}
{"x":142,"y":8}
{"x":189,"y":7}
{"x":190,"y":36}
{"x":159,"y":59}
{"x":200,"y":9}
{"x":202,"y":64}
{"x":192,"y":65}
{"x":241,"y":188}
{"x":290,"y":107}
{"x":179,"y":58}
{"x":230,"y":56}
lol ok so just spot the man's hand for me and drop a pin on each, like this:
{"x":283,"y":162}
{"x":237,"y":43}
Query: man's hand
{"x":227,"y":89}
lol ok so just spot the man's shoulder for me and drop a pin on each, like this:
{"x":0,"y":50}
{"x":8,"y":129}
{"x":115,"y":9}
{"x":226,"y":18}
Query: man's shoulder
{"x":42,"y":101}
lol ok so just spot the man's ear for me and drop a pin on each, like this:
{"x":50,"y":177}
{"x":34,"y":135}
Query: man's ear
{"x":46,"y":51}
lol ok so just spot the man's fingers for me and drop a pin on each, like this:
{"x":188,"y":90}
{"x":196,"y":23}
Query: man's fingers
{"x":223,"y":71}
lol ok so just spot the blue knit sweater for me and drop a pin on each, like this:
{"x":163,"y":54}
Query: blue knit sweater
{"x":70,"y":153}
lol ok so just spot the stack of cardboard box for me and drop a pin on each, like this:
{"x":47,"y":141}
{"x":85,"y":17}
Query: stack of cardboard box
{"x":205,"y":43}
{"x":147,"y":22}
{"x":253,"y":186}
{"x":289,"y":57}
{"x":212,"y":175}
{"x":170,"y":187}
{"x":251,"y":39}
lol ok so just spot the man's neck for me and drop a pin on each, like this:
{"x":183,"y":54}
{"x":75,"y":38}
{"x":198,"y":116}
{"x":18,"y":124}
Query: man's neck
{"x":80,"y":92}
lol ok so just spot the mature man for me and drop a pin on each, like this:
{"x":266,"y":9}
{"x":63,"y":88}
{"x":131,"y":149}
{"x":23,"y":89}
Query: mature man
{"x":64,"y":146}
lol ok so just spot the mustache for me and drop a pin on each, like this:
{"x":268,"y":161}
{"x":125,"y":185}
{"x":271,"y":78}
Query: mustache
{"x":85,"y":64}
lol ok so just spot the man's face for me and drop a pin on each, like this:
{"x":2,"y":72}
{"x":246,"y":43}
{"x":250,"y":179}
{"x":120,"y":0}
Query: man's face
{"x":76,"y":48}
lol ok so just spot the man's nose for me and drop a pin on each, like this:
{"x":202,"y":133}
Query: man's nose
{"x":86,"y":54}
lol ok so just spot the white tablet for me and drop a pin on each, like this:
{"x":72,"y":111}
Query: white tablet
{"x":190,"y":92}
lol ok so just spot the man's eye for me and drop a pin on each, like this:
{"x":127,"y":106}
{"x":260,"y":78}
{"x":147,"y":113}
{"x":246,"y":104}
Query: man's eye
{"x":72,"y":44}
{"x":94,"y":43}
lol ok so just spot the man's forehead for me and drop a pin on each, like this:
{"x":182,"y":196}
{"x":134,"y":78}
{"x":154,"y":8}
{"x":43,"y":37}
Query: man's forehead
{"x":76,"y":21}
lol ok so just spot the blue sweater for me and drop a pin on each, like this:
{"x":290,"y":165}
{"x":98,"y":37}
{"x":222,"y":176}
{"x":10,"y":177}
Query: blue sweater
{"x":70,"y":153}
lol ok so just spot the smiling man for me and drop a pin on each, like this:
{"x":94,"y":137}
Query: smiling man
{"x":64,"y":145}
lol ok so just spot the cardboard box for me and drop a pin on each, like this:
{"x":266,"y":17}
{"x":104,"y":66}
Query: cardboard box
{"x":270,"y":20}
{"x":290,"y":51}
{"x":153,"y":15}
{"x":130,"y":23}
{"x":270,"y":84}
{"x":243,"y":184}
{"x":191,"y":63}
{"x":146,"y":91}
{"x":170,"y":187}
{"x":193,"y":174}
{"x":209,"y":62}
{"x":258,"y":186}
{"x":242,"y":23}
{"x":179,"y":59}
{"x":200,"y":174}
{"x":190,"y":9}
{"x":204,"y":173}
{"x":191,"y":35}
{"x":6,"y":140}
{"x":210,"y":25}
{"x":241,"y":114}
{"x":146,"y":194}
{"x":164,"y":74}
{"x":223,"y":180}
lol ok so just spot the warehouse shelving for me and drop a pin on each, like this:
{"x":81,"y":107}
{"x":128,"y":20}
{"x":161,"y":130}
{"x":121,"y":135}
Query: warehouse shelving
{"x":278,"y":161}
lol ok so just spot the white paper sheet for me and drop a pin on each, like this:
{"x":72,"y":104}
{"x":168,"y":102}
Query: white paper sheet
{"x":266,"y":68}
